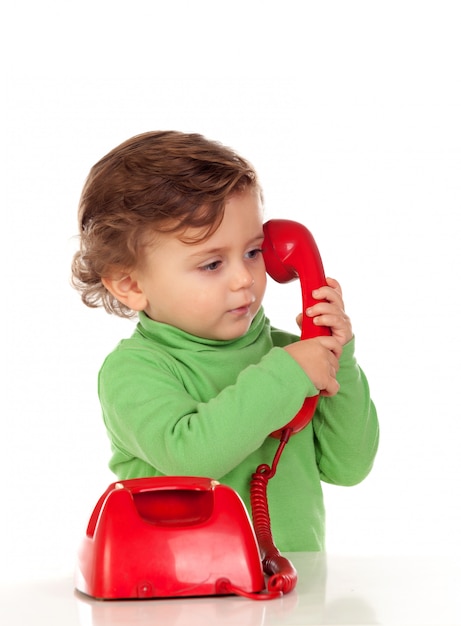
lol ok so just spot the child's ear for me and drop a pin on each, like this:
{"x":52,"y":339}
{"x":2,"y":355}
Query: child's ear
{"x":127,"y":291}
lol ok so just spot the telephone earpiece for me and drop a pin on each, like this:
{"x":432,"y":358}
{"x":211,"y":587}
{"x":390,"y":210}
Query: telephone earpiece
{"x":290,"y":252}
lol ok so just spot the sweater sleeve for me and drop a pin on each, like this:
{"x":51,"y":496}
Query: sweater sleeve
{"x":346,"y":426}
{"x":149,"y":415}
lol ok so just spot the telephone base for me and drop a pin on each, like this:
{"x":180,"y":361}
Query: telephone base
{"x":168,"y":537}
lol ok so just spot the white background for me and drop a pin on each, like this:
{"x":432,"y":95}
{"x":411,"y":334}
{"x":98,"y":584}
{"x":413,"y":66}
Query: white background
{"x":351,"y":113}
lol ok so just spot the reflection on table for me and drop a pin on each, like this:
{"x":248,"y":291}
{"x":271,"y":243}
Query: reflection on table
{"x":331,"y":590}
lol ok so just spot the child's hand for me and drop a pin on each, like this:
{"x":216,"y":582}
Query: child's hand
{"x":330,"y":313}
{"x":319,"y":358}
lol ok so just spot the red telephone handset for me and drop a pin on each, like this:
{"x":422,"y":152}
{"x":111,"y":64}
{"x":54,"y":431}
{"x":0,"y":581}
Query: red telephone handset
{"x":290,"y":252}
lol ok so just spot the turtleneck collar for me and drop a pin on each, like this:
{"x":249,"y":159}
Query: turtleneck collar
{"x":173,"y":337}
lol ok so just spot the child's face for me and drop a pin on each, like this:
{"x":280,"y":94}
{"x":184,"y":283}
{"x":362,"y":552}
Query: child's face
{"x":214,"y":288}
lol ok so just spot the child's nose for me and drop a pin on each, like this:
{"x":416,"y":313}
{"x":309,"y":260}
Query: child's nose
{"x":242,"y":278}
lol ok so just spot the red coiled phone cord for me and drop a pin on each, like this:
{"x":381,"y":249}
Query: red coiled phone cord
{"x":282,"y":574}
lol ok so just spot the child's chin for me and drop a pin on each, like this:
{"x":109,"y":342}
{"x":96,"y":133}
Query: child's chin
{"x":236,"y":333}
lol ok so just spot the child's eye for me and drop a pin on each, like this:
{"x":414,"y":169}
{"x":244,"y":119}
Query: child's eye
{"x":253,"y":254}
{"x":211,"y":267}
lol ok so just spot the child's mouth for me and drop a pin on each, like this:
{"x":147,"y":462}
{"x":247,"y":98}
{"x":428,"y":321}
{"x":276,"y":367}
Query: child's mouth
{"x":241,"y":310}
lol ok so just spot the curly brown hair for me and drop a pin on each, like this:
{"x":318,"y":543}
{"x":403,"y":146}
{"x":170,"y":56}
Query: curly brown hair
{"x":164,"y":181}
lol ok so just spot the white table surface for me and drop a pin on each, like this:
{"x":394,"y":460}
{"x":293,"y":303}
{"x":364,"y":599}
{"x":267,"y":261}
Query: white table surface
{"x":331,"y":590}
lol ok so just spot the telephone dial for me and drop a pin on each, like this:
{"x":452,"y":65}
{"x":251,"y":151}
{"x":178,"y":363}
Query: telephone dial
{"x":176,"y":536}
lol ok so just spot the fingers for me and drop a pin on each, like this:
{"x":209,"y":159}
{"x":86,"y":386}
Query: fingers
{"x":327,"y":315}
{"x":329,"y":294}
{"x":299,"y":321}
{"x":331,"y":390}
{"x":329,"y":311}
{"x":319,"y":358}
{"x":333,"y":283}
{"x":331,"y":385}
{"x":335,"y":348}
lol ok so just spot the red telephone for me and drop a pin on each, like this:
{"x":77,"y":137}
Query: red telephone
{"x":184,"y":536}
{"x":168,"y":536}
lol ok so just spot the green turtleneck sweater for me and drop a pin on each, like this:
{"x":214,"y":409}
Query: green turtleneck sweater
{"x":176,"y":404}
